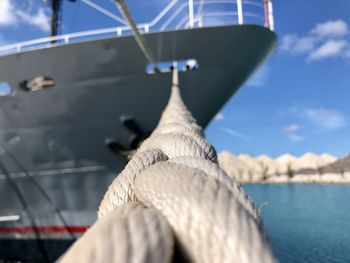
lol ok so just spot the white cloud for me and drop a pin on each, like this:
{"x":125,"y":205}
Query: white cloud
{"x":319,"y":120}
{"x":298,"y":45}
{"x":295,"y":137}
{"x":331,"y":48}
{"x":219,"y":117}
{"x":325,"y":40}
{"x":11,"y":15}
{"x":235,"y":133}
{"x":7,"y":13}
{"x":337,"y":28}
{"x":325,"y":119}
{"x":291,"y":134}
{"x":291,"y":128}
{"x":288,"y":41}
{"x":40,"y":20}
{"x":305,"y":44}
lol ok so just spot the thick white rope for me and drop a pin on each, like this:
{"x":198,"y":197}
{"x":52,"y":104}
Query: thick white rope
{"x":210,"y":223}
{"x":215,"y":171}
{"x":175,"y":172}
{"x":131,"y":233}
{"x":121,"y":190}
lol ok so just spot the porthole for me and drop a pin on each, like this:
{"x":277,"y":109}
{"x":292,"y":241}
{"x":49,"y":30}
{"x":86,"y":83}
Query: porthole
{"x":5,"y":89}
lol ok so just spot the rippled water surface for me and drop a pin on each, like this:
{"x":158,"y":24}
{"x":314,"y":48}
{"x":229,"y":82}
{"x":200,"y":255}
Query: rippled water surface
{"x":306,"y":223}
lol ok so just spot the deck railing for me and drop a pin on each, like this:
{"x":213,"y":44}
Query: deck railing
{"x":175,"y":15}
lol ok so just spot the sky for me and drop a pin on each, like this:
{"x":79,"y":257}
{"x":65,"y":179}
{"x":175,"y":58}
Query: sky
{"x":296,"y":102}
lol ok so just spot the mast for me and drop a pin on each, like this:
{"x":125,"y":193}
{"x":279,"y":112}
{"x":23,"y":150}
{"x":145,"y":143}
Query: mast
{"x":56,"y":15}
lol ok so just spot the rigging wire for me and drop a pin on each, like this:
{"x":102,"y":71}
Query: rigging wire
{"x":41,"y":189}
{"x":140,"y":40}
{"x":104,"y":11}
{"x":200,"y":11}
{"x":23,"y":202}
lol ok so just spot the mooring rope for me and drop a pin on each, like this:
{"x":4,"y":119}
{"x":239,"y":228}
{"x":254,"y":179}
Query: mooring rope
{"x":140,"y":40}
{"x":173,"y":199}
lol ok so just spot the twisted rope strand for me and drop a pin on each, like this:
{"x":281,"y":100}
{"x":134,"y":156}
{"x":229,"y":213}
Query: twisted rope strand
{"x":131,"y":233}
{"x":183,"y":197}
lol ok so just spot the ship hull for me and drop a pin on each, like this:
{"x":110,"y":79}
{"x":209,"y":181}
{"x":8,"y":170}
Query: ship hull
{"x":54,"y":162}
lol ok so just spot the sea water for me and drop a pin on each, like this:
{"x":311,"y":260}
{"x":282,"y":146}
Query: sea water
{"x":306,"y":223}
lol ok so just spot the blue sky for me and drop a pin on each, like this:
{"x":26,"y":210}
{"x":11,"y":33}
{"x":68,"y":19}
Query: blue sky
{"x":298,"y":101}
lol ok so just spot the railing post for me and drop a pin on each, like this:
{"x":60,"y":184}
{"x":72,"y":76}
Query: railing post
{"x":119,"y":31}
{"x":200,"y":21}
{"x":146,"y":28}
{"x":240,"y":12}
{"x":199,"y":13}
{"x":271,"y":19}
{"x":266,"y":11}
{"x":190,"y":13}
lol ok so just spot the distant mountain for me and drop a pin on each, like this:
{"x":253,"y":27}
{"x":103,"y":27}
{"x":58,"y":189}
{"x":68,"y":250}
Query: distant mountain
{"x":227,"y":159}
{"x":327,"y":158}
{"x":287,"y":162}
{"x":340,"y":166}
{"x":246,"y":166}
{"x":309,"y":160}
{"x":267,"y":164}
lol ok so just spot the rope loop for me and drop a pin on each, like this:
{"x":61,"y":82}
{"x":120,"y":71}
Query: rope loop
{"x":130,"y":233}
{"x":173,"y":199}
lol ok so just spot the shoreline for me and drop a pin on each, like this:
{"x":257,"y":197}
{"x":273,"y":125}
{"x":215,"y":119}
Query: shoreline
{"x":330,"y":178}
{"x":294,"y":183}
{"x":286,"y":169}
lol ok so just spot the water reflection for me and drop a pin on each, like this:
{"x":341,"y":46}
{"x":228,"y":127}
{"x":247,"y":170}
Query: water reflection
{"x":306,"y":223}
